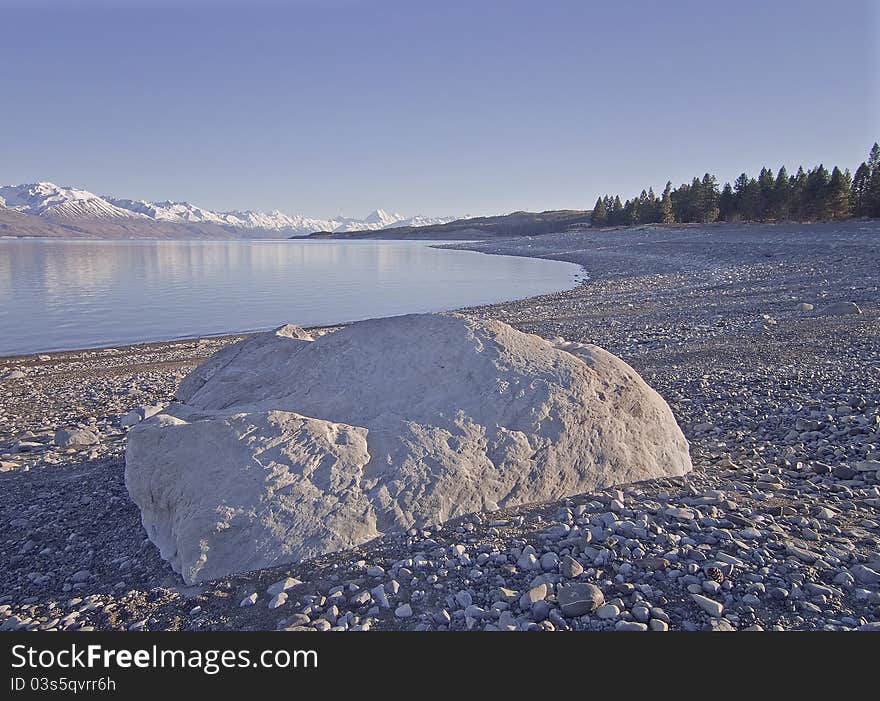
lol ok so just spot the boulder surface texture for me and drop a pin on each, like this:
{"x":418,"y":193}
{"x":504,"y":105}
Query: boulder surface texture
{"x":282,"y":448}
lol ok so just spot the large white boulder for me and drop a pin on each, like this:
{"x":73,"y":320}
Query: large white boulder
{"x":282,"y":448}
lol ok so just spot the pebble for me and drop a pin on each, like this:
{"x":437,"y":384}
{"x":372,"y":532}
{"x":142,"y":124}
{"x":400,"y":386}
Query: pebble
{"x":577,"y":599}
{"x":570,"y":567}
{"x":282,"y":585}
{"x":278,"y":600}
{"x":710,"y":606}
{"x":608,"y":611}
{"x":632,"y":626}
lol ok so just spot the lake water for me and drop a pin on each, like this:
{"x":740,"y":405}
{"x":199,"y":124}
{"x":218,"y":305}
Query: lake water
{"x":70,"y":294}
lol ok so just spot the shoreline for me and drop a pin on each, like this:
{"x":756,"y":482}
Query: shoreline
{"x":573,"y":278}
{"x":781,"y":408}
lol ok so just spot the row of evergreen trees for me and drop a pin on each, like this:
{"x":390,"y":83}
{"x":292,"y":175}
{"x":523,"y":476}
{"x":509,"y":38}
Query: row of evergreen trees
{"x":805,"y":196}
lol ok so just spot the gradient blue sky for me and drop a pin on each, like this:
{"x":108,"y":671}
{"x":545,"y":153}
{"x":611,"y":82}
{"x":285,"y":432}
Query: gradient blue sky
{"x":437,"y":108}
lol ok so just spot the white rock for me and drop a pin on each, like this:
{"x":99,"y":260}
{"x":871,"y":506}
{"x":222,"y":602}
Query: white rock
{"x":710,"y":606}
{"x":283,"y":585}
{"x":138,"y":414}
{"x":679,"y":513}
{"x":535,"y":594}
{"x":289,"y":448}
{"x":74,"y":438}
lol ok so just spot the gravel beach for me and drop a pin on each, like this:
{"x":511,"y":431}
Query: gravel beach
{"x":742,"y":329}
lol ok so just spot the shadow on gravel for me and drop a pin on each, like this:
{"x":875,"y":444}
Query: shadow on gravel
{"x":71,"y":531}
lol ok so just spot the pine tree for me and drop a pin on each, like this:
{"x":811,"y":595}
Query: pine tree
{"x":766,"y":186}
{"x":681,"y":203}
{"x":748,"y":197}
{"x":694,"y":199}
{"x":727,"y":204}
{"x":707,"y":202}
{"x":873,"y":199}
{"x":653,"y":206}
{"x":837,"y":204}
{"x":608,"y":201}
{"x":798,"y":184}
{"x":740,"y":185}
{"x":781,"y":208}
{"x":860,"y":191}
{"x":631,"y":212}
{"x":816,"y":194}
{"x":667,"y":213}
{"x":615,"y":217}
{"x":600,"y":214}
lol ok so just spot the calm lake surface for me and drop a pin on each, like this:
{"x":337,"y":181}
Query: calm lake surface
{"x":69,"y":294}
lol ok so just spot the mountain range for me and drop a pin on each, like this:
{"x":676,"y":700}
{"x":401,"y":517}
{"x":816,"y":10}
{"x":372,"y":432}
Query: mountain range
{"x":46,"y":209}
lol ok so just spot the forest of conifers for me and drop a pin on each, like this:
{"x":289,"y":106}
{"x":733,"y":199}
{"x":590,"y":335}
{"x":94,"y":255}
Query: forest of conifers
{"x":812,"y":195}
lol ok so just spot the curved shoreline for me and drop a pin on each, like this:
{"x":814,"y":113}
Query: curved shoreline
{"x":501,"y":292}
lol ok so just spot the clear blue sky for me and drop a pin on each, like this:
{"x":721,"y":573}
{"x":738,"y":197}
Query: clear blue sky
{"x":444,"y":107}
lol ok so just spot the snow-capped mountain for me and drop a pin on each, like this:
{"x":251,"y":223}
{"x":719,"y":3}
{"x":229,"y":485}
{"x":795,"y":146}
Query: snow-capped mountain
{"x":167,"y":211}
{"x":49,"y":200}
{"x":70,"y":204}
{"x":423,"y":221}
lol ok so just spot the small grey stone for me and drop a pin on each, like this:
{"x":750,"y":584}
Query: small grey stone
{"x":549,"y":561}
{"x":75,"y":438}
{"x":632,"y":626}
{"x":608,"y":611}
{"x":540,"y":610}
{"x":464,"y":598}
{"x":579,"y":598}
{"x":865,"y":574}
{"x":81,"y":576}
{"x":641,"y":613}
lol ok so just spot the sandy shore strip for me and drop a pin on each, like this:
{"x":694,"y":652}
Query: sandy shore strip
{"x":777,"y":527}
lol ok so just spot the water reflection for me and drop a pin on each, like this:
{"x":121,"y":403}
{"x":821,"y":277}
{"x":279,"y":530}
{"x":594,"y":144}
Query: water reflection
{"x":72,"y":294}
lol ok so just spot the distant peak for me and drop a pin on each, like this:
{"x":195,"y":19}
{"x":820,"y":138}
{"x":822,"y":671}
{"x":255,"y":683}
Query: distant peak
{"x":381,"y":216}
